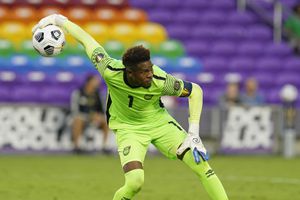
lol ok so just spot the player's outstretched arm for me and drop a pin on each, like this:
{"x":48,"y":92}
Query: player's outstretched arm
{"x":77,"y":32}
{"x":193,"y":140}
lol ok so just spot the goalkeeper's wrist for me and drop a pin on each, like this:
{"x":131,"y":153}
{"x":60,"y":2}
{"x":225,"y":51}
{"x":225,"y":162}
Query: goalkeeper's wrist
{"x":194,"y":128}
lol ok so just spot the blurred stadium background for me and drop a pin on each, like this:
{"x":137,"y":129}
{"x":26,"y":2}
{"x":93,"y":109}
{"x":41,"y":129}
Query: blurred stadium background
{"x":211,"y":43}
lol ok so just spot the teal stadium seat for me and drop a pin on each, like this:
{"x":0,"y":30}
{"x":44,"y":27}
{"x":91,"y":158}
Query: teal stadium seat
{"x":114,"y":48}
{"x":171,"y":49}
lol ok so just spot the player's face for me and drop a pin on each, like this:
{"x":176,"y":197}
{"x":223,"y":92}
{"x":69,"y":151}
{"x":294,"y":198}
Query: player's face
{"x":144,"y":74}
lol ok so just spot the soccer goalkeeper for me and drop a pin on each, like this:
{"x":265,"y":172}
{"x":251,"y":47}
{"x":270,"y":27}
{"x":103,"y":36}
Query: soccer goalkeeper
{"x":137,"y":116}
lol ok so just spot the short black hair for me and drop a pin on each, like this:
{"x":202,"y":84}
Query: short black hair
{"x":134,"y":56}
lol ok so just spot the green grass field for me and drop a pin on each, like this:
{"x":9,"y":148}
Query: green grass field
{"x":97,"y":177}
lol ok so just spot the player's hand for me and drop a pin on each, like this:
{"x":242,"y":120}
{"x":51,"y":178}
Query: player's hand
{"x":54,"y":19}
{"x":194,"y":143}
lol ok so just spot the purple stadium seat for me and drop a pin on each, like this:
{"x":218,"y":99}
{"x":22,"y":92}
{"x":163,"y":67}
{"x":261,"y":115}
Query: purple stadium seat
{"x":265,"y":80}
{"x":232,"y":32}
{"x":223,"y":4}
{"x":288,"y":78}
{"x":272,"y":96}
{"x":56,"y":95}
{"x":259,"y":33}
{"x":177,"y":31}
{"x":204,"y":33}
{"x":278,"y":50}
{"x":161,"y":16}
{"x":213,"y":17}
{"x":242,"y":65}
{"x":269,"y":65}
{"x":169,"y":4}
{"x":35,"y":78}
{"x":26,"y":94}
{"x":197,"y":48}
{"x":215,"y":64}
{"x":251,"y":49}
{"x":292,"y":64}
{"x":196,"y":4}
{"x":223,"y":48}
{"x":9,"y":78}
{"x":241,"y":18}
{"x":188,"y":17}
{"x":5,"y":94}
{"x":145,"y":4}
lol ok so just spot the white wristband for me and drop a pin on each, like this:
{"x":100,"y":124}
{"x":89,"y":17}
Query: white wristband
{"x":194,"y":128}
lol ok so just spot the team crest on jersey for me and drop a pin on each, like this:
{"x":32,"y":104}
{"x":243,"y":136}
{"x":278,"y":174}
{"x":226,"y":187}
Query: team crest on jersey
{"x":176,"y":85}
{"x":99,"y":57}
{"x":126,"y":150}
{"x":148,"y":96}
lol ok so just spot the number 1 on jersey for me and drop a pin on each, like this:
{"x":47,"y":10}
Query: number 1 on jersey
{"x":130,"y":101}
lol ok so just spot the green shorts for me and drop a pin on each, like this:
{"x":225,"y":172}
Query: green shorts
{"x":133,"y":142}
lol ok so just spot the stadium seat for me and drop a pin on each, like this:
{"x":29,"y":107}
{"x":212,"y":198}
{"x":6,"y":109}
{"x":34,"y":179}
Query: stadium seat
{"x":4,"y":13}
{"x":187,"y":17}
{"x":47,"y":64}
{"x":6,"y":48}
{"x":99,"y":31}
{"x":79,"y":14}
{"x":171,"y":49}
{"x":195,"y":4}
{"x":231,"y":32}
{"x":152,"y":33}
{"x":8,"y":78}
{"x":242,"y":65}
{"x":13,"y":31}
{"x":54,"y":95}
{"x":169,"y":4}
{"x":197,"y":48}
{"x":144,"y":4}
{"x":269,"y":64}
{"x":5,"y":94}
{"x":27,"y":48}
{"x":25,"y":94}
{"x":161,"y":16}
{"x":133,"y":15}
{"x":213,"y":17}
{"x":164,"y":63}
{"x":251,"y":49}
{"x":223,"y":48}
{"x":179,"y":32}
{"x":108,"y":15}
{"x":206,"y":33}
{"x":279,"y":50}
{"x":259,"y":33}
{"x":241,"y":18}
{"x":73,"y":49}
{"x":187,"y":65}
{"x":215,"y":64}
{"x":48,"y":10}
{"x":20,"y":63}
{"x":292,"y":64}
{"x":23,"y":13}
{"x":124,"y":32}
{"x":222,"y":4}
{"x":114,"y":48}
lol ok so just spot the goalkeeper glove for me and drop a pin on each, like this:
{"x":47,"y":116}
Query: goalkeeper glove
{"x":54,"y":19}
{"x":193,"y":142}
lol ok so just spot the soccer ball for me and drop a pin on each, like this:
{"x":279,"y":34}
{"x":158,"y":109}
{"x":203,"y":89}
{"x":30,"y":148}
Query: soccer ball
{"x":48,"y":41}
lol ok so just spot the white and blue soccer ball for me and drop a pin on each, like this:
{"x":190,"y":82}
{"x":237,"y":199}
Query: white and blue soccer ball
{"x":49,"y":41}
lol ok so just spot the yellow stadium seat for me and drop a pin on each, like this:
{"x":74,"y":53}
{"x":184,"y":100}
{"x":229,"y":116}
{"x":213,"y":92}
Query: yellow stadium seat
{"x":99,"y":31}
{"x":107,"y":15}
{"x":124,"y":32}
{"x":152,"y":33}
{"x":133,"y":15}
{"x":13,"y":31}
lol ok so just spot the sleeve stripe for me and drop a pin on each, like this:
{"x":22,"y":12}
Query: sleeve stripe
{"x":159,"y":77}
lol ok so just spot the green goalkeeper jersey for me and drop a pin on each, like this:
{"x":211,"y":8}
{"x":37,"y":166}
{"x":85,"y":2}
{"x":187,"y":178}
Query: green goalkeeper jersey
{"x":128,"y":106}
